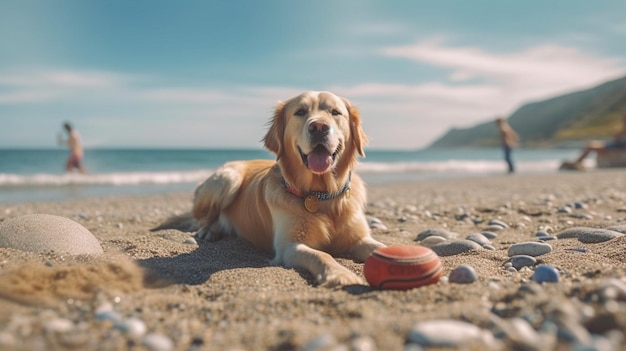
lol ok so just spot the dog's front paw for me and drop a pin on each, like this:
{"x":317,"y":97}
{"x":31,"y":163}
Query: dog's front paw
{"x":338,"y":276}
{"x":206,"y":234}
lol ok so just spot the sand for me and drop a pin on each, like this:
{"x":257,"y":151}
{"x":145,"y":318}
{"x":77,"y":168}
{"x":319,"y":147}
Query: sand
{"x":226,"y":296}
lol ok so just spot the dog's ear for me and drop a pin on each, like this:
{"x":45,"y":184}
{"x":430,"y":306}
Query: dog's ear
{"x":358,"y":135}
{"x":273,"y":140}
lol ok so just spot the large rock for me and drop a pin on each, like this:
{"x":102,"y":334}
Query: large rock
{"x":43,"y":232}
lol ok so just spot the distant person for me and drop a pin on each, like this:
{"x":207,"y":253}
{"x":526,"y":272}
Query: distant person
{"x":75,"y":158}
{"x":618,"y":141}
{"x":508,"y":139}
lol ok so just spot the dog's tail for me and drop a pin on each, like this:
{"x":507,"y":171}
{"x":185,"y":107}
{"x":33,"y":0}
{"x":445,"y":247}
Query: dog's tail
{"x":184,"y":223}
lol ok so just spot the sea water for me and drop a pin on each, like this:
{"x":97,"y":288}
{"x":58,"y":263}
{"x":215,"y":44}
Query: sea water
{"x":39,"y":174}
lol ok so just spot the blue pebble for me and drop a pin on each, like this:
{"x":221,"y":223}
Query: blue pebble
{"x":546,"y":274}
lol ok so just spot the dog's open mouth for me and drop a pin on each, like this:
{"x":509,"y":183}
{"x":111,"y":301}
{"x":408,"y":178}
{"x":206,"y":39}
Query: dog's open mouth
{"x":319,"y":160}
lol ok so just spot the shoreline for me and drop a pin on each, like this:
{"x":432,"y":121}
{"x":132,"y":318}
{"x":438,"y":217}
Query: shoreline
{"x":225,"y":295}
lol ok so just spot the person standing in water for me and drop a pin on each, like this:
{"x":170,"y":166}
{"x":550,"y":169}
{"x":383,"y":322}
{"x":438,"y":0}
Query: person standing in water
{"x":75,"y":158}
{"x":508,"y":139}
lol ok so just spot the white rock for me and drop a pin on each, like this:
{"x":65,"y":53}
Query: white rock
{"x":158,"y":342}
{"x":134,"y":327}
{"x":59,"y":325}
{"x":43,"y":233}
{"x":449,"y":333}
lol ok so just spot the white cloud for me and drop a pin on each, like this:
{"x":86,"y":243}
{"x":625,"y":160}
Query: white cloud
{"x":533,"y":73}
{"x":48,"y":85}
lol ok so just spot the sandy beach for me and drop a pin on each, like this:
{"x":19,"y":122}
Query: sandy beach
{"x":160,"y":291}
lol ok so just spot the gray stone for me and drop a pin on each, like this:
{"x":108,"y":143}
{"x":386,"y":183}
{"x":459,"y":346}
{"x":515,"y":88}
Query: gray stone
{"x":530,"y":248}
{"x":479,"y":239}
{"x":498,"y":223}
{"x":43,"y":232}
{"x":493,"y":228}
{"x":618,"y":228}
{"x":519,"y":261}
{"x":588,"y":235}
{"x":432,"y":241}
{"x":451,"y":248}
{"x":598,"y":236}
{"x":436,"y":232}
{"x":489,"y":235}
{"x":463,"y":274}
{"x":547,"y":238}
{"x":541,"y":233}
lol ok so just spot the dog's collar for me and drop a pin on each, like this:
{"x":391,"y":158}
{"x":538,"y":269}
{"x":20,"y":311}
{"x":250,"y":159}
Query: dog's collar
{"x":312,"y":199}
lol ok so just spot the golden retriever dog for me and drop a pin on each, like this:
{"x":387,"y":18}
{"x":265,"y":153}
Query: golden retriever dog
{"x":305,"y":207}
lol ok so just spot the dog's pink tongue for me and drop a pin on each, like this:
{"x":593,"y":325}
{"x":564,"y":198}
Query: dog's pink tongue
{"x":319,"y":161}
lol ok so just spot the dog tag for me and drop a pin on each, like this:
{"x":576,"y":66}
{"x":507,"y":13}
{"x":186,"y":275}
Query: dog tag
{"x":347,"y":193}
{"x":311,"y":203}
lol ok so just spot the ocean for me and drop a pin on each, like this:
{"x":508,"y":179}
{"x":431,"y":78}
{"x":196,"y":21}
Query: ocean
{"x":38,"y":175}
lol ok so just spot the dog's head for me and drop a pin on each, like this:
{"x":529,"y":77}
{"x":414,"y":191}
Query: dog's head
{"x":317,"y":130}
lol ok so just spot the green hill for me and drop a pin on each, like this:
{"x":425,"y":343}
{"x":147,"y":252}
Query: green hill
{"x":567,"y":119}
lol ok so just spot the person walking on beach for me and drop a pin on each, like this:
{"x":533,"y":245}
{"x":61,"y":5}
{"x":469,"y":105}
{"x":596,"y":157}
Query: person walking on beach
{"x":508,"y":139}
{"x":75,"y":158}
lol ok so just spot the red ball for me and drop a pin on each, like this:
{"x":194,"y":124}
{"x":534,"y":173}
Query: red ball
{"x":402,"y":267}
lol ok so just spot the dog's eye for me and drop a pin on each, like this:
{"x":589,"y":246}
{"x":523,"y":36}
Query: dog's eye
{"x":335,"y":113}
{"x":301,"y":112}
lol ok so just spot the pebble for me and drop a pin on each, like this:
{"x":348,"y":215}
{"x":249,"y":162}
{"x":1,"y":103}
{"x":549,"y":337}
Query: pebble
{"x":522,"y":333}
{"x":618,"y":228}
{"x":598,"y":236}
{"x":362,"y":343}
{"x":547,"y":238}
{"x":519,"y":261}
{"x":436,"y":232}
{"x":479,"y":239}
{"x":322,"y":342}
{"x":498,"y":223}
{"x":489,"y":235}
{"x":588,"y":235}
{"x":614,"y":288}
{"x":493,"y":228}
{"x":433,"y":240}
{"x":450,"y":248}
{"x":449,"y":333}
{"x":43,"y":233}
{"x":134,"y":327}
{"x":529,"y":248}
{"x":541,"y":233}
{"x":546,"y":274}
{"x":489,"y":247}
{"x":191,"y":241}
{"x":566,"y":210}
{"x":463,"y":274}
{"x":59,"y":325}
{"x":158,"y":342}
{"x":376,"y":223}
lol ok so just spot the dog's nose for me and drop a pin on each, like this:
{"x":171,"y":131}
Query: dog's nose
{"x":319,"y":129}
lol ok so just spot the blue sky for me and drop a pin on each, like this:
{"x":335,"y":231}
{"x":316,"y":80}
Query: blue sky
{"x":208,"y":73}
